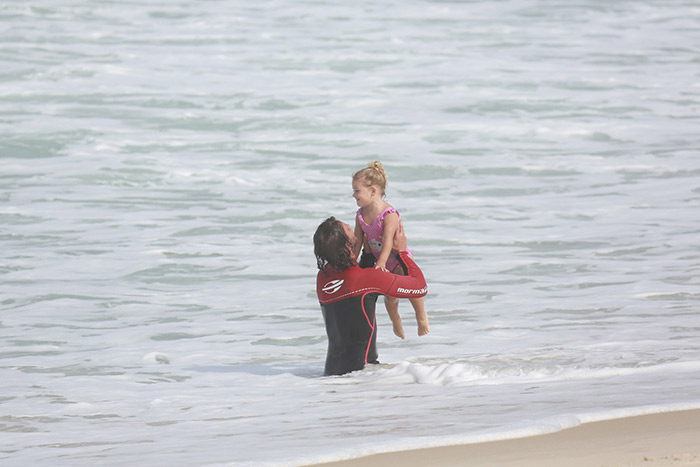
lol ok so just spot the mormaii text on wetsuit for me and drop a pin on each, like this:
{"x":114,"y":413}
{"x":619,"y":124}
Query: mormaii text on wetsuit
{"x":422,"y":291}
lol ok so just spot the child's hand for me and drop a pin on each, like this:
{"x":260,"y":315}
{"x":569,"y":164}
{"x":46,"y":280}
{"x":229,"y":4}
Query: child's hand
{"x":381,"y":265}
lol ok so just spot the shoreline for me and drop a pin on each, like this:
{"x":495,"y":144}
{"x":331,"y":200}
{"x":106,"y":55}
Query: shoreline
{"x":661,"y":439}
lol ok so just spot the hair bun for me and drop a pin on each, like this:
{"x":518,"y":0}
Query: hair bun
{"x":376,"y":165}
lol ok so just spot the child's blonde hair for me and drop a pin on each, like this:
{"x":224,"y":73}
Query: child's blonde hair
{"x":373,"y":175}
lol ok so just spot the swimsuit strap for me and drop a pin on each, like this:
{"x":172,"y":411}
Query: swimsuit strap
{"x":387,"y":211}
{"x":380,"y":217}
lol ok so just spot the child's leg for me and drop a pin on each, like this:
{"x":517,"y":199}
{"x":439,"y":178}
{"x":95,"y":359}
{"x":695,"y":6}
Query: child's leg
{"x":392,"y":307}
{"x":418,"y":307}
{"x":421,"y":316}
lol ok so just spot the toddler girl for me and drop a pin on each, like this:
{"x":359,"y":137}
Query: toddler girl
{"x":376,"y":222}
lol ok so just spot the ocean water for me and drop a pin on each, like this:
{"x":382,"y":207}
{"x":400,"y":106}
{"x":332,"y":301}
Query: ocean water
{"x":163,"y":166}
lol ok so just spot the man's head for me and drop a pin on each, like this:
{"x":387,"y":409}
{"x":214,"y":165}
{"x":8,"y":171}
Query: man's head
{"x":333,"y":242}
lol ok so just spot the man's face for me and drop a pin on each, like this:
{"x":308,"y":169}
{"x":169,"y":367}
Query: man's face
{"x":349,"y":232}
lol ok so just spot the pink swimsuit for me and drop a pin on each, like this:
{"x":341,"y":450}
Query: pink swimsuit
{"x":375,"y":232}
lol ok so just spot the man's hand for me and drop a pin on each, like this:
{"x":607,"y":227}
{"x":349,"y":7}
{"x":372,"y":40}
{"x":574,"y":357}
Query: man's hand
{"x":400,"y":240}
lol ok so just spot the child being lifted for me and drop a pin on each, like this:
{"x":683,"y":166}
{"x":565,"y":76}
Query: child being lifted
{"x":376,"y":222}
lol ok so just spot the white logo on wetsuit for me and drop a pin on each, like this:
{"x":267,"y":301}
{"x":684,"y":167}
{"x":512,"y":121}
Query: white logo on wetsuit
{"x":333,"y":286}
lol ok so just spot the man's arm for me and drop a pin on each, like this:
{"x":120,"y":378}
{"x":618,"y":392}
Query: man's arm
{"x":359,"y":236}
{"x":393,"y":285}
{"x":411,"y":286}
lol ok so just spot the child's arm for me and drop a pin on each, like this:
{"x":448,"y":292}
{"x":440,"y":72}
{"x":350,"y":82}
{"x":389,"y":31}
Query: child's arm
{"x":359,"y":239}
{"x":391,"y":224}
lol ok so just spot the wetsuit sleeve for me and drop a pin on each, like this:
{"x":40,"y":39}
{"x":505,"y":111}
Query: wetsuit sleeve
{"x":411,"y":286}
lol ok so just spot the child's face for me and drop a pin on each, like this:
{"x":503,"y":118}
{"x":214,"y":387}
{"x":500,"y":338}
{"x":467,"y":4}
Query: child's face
{"x":362,"y":193}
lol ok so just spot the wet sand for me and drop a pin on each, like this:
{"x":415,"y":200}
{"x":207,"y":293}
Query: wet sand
{"x":666,"y":439}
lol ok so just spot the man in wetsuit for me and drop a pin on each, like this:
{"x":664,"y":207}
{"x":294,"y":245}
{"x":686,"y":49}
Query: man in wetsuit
{"x":348,"y":294}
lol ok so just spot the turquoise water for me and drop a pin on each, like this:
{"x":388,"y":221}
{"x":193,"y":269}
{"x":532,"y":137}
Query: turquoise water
{"x":164,"y":166}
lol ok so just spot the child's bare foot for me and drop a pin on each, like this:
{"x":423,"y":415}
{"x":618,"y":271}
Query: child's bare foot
{"x":398,"y":329}
{"x":392,"y":307}
{"x":423,"y":327}
{"x":421,"y":316}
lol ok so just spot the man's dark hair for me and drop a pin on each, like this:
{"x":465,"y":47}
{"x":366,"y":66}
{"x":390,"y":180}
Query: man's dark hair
{"x":331,"y":246}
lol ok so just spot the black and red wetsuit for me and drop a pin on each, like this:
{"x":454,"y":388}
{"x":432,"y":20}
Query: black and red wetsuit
{"x":348,"y":301}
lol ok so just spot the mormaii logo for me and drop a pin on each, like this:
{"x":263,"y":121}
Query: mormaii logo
{"x":333,"y":286}
{"x":413,"y":291}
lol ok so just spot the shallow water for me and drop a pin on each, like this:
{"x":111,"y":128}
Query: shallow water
{"x":164,"y":166}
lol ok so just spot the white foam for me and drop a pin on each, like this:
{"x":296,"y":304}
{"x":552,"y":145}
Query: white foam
{"x":456,"y":374}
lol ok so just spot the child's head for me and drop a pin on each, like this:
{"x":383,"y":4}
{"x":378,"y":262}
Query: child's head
{"x":372,"y":176}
